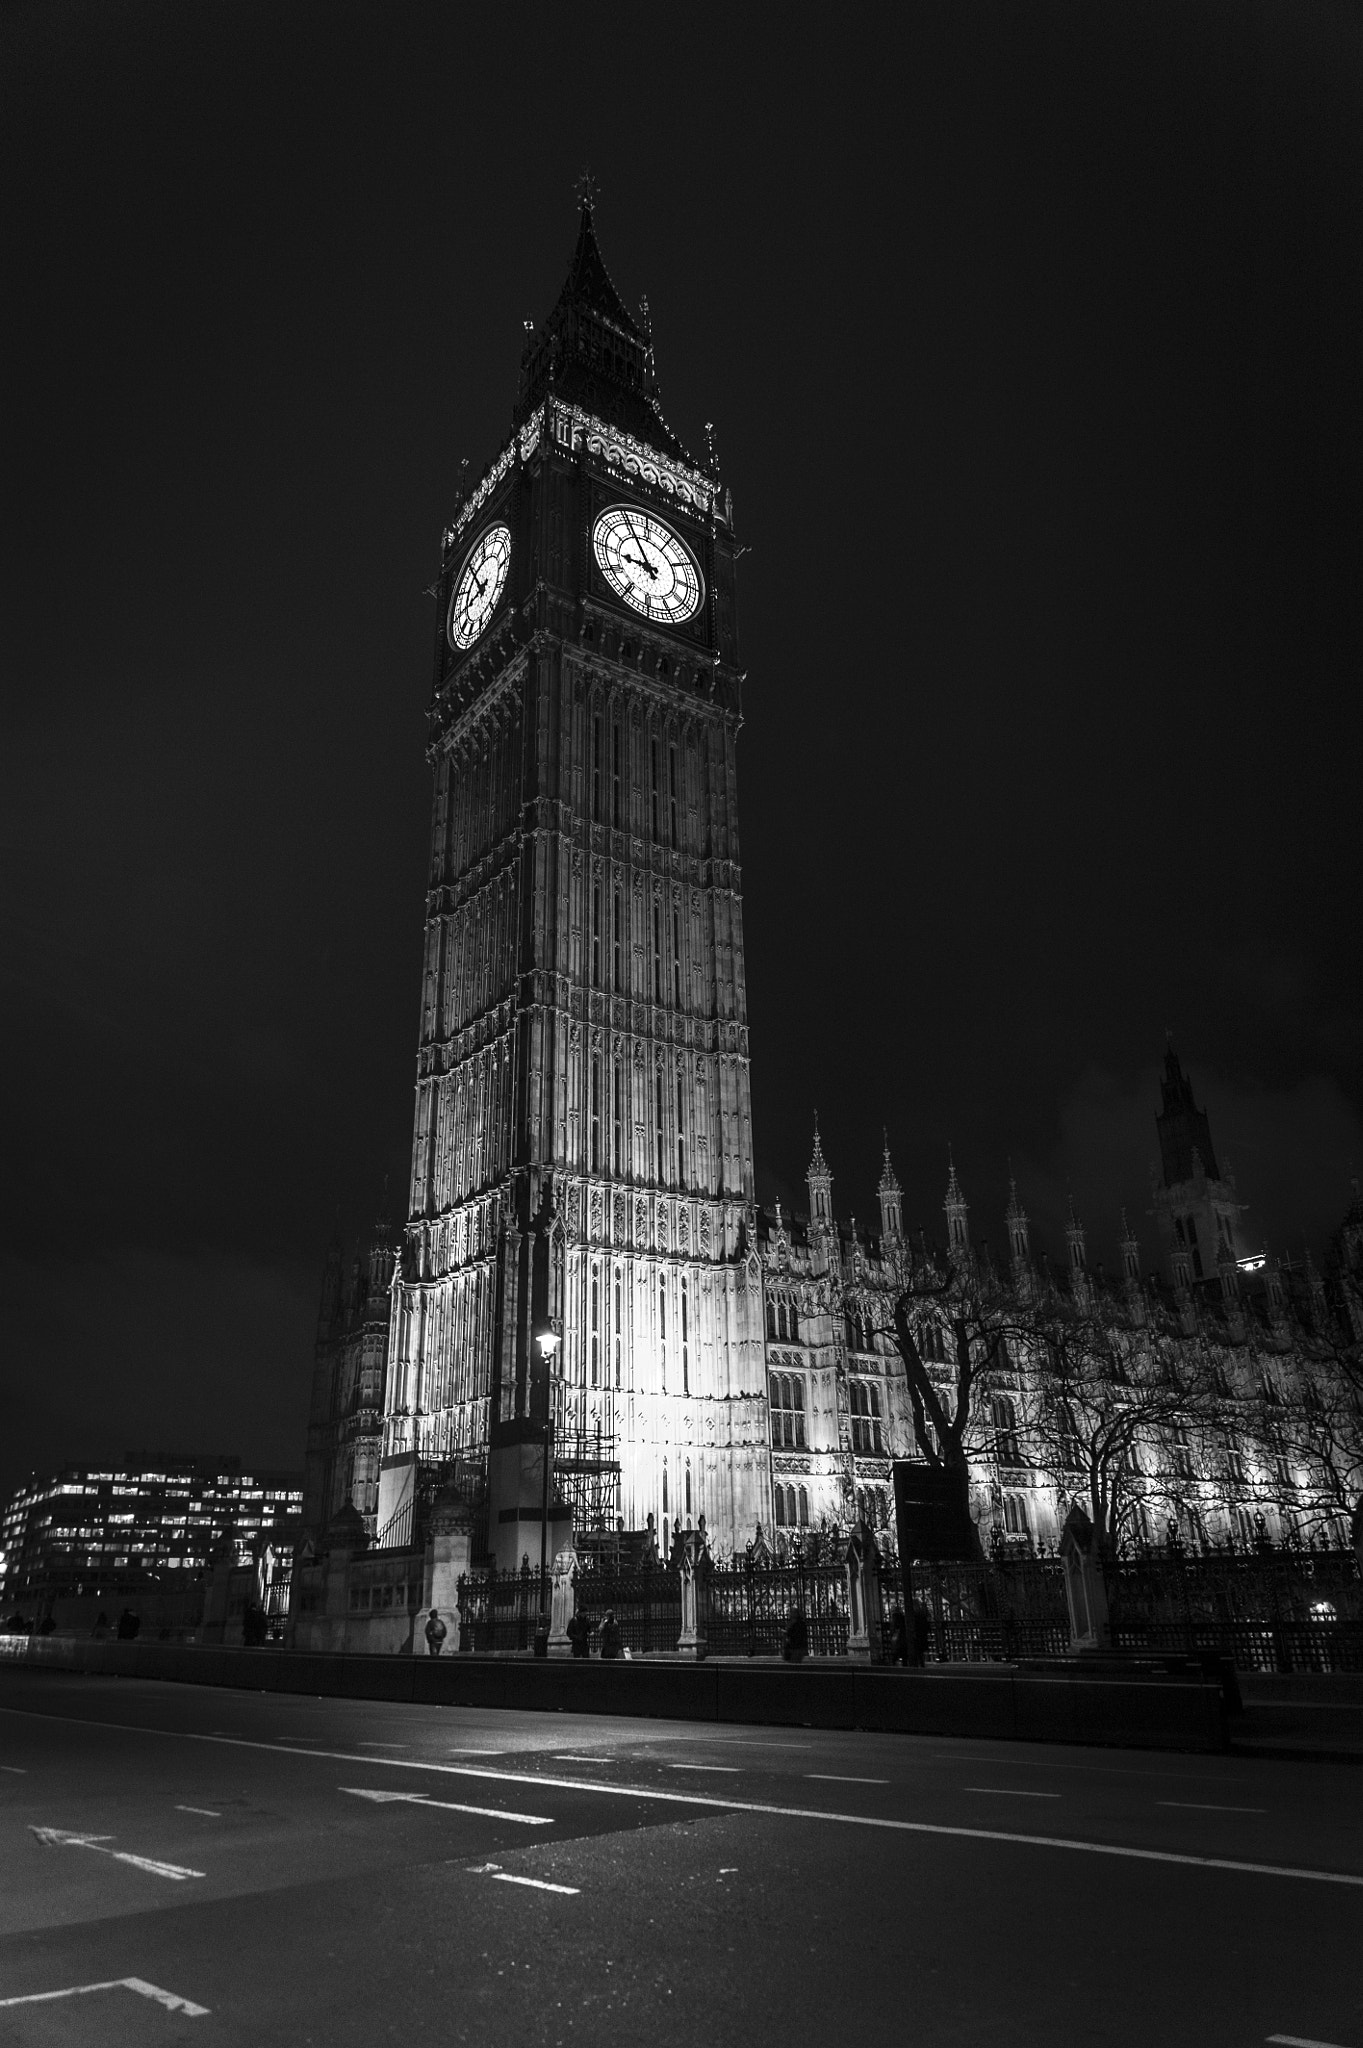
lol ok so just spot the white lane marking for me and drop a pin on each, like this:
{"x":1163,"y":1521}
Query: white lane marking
{"x":530,"y":1820}
{"x":562,"y":1757}
{"x":732,"y":1741}
{"x":1008,"y":1792}
{"x":604,"y":1790}
{"x":206,"y":1811}
{"x":1206,"y":1806}
{"x":538,"y":1884}
{"x":730,"y":1770}
{"x":63,"y":1838}
{"x":384,"y":1745}
{"x":835,"y":1778}
{"x":475,"y":1752}
{"x":1299,"y":2041}
{"x":14,"y":1770}
{"x":171,"y":2000}
{"x":1030,"y":1763}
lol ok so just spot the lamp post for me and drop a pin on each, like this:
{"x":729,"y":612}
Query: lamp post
{"x":547,"y":1338}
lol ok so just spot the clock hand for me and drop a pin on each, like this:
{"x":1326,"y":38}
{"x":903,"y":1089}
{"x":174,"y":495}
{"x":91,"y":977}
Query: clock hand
{"x":638,"y":542}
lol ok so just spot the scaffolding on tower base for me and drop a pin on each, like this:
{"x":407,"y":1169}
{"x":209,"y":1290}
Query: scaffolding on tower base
{"x":587,"y":1469}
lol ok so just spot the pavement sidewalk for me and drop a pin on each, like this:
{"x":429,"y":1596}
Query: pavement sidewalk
{"x":1309,"y":1716}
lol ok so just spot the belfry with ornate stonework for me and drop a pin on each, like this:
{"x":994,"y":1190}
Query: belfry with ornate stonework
{"x":579,"y":1236}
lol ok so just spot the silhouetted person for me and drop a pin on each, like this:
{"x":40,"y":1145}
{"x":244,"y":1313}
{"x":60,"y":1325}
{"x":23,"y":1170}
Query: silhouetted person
{"x":796,"y":1643}
{"x":128,"y":1625}
{"x":436,"y":1633}
{"x":900,"y":1652}
{"x":610,"y":1635}
{"x":922,"y":1630}
{"x":254,"y":1625}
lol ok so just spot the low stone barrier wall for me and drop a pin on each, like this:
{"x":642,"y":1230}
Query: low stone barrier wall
{"x":1056,"y":1704}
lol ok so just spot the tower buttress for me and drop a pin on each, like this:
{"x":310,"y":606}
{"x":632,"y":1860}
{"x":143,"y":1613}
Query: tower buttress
{"x":1019,"y":1233}
{"x":890,"y":1193}
{"x":957,"y":1212}
{"x":820,"y":1182}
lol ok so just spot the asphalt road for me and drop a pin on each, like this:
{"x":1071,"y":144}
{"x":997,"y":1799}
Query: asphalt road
{"x":329,"y":1871}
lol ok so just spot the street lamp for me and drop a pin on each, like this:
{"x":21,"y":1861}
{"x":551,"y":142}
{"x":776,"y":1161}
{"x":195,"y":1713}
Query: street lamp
{"x":547,"y":1337}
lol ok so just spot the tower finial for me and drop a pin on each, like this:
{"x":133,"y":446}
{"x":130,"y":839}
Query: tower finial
{"x":587,"y":189}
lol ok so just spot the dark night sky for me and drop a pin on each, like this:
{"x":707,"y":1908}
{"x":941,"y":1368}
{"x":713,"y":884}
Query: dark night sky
{"x":1031,"y":338}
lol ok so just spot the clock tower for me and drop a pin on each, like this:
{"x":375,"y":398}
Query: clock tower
{"x":579,"y":1255}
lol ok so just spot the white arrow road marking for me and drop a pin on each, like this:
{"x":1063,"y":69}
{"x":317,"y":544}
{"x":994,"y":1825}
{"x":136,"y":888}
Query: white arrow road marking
{"x":56,"y":1838}
{"x":604,"y":1788}
{"x":537,"y":1884}
{"x":171,"y":2000}
{"x":530,"y":1820}
{"x":1300,"y":2041}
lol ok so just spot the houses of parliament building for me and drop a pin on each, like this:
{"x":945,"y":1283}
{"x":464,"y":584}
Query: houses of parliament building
{"x":583,"y":1260}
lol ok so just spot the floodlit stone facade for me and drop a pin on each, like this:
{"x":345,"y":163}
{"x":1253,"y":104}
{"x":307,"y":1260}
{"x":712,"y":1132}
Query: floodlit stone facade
{"x":582,"y":1245}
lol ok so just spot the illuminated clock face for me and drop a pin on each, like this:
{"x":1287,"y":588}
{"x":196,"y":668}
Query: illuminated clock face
{"x":644,"y":562}
{"x":479,"y":586}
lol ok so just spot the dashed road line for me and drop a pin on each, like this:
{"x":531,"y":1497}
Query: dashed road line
{"x":561,"y":1757}
{"x":1206,"y":1806}
{"x":1009,"y":1792}
{"x":384,"y":1745}
{"x":538,"y":1884}
{"x":14,"y":1770}
{"x":729,"y":1770}
{"x":603,"y":1789}
{"x":836,"y":1778}
{"x":423,"y":1799}
{"x":206,"y":1811}
{"x":171,"y":2000}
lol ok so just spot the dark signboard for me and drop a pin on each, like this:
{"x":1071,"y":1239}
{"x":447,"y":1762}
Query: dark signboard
{"x":934,"y":1521}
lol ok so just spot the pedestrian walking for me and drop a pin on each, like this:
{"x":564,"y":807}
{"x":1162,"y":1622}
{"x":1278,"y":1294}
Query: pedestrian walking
{"x":435,"y":1632}
{"x":797,"y":1637}
{"x":610,"y":1635}
{"x":900,"y":1652}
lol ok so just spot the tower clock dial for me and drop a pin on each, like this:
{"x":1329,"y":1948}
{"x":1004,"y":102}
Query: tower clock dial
{"x":479,"y":585}
{"x":647,"y":564}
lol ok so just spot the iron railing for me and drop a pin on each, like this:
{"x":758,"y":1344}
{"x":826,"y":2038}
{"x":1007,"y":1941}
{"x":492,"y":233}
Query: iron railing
{"x":499,"y":1610}
{"x":1280,"y":1610}
{"x":981,"y":1613}
{"x":750,"y":1607}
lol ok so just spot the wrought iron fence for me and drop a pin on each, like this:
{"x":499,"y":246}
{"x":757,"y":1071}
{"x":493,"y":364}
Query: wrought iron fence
{"x":1270,"y":1611}
{"x":499,"y":1610}
{"x":981,"y":1613}
{"x":750,"y":1607}
{"x":1280,"y":1611}
{"x":646,"y":1602}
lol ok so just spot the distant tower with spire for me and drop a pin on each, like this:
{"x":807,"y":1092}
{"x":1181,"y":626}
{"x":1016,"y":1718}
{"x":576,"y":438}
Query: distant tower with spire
{"x":1196,"y":1204}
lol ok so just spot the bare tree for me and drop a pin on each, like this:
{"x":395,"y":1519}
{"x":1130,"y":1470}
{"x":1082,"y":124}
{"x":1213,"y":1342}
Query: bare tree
{"x":1120,"y":1410}
{"x":951,"y":1323}
{"x":1307,"y":1445}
